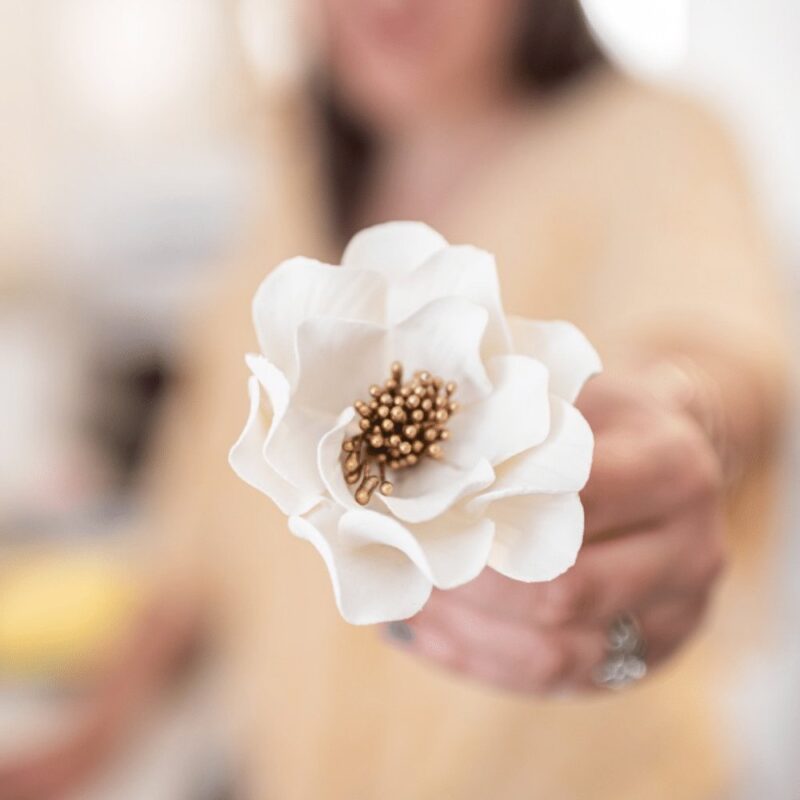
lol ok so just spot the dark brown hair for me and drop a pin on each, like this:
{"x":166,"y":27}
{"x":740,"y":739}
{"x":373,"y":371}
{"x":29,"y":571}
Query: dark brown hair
{"x":555,"y":46}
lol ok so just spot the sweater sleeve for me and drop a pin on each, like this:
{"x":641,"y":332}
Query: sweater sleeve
{"x":688,"y":265}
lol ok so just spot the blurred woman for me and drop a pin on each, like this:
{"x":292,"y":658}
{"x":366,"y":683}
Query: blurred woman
{"x":611,"y":204}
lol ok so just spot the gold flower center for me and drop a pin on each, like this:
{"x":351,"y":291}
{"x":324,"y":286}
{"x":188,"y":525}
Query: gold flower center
{"x":399,"y":425}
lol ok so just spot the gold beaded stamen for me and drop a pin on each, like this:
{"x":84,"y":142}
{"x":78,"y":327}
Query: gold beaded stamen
{"x":399,"y":425}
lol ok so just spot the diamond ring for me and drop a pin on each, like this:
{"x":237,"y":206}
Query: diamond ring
{"x":624,"y":662}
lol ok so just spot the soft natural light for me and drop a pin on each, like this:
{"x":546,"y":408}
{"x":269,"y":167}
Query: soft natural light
{"x":646,"y":36}
{"x":128,"y":60}
{"x":269,"y":37}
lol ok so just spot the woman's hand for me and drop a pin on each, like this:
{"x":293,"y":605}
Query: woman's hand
{"x":654,"y":547}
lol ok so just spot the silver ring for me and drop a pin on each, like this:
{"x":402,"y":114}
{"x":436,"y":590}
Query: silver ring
{"x":624,"y":663}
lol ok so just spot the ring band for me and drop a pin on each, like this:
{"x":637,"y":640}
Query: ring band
{"x":624,"y":663}
{"x":400,"y":632}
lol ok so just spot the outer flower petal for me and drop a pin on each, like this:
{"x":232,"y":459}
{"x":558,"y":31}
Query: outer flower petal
{"x":513,"y":418}
{"x":562,"y":348}
{"x":372,"y":582}
{"x":301,"y":288}
{"x":291,"y":444}
{"x":445,"y":338}
{"x":248,"y":462}
{"x":392,"y":248}
{"x":537,"y":538}
{"x":456,"y":271}
{"x":560,"y":464}
{"x":449,"y":551}
{"x":431,"y":488}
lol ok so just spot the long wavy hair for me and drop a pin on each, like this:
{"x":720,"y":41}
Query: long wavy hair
{"x":554,"y":47}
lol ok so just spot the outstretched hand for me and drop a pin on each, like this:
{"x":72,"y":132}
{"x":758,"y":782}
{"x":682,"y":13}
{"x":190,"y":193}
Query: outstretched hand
{"x":654,"y":547}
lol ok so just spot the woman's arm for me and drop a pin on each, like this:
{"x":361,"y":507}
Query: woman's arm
{"x":689,"y":322}
{"x":126,"y":686}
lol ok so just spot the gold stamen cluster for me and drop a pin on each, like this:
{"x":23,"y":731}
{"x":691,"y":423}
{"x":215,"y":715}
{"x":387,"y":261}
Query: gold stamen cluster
{"x":400,"y":424}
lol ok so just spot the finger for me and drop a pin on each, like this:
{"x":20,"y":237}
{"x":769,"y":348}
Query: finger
{"x":486,"y":648}
{"x":532,"y":659}
{"x":526,"y":659}
{"x":639,"y":480}
{"x":521,"y":658}
{"x":674,"y":559}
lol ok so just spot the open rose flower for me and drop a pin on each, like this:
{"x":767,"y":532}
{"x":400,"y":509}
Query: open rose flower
{"x":409,"y":429}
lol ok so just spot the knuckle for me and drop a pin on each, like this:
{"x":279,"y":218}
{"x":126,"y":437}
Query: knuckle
{"x":689,"y":459}
{"x":717,"y":560}
{"x":706,"y":473}
{"x":562,"y":602}
{"x":547,"y":667}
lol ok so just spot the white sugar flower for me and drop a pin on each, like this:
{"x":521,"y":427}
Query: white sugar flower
{"x":409,"y":429}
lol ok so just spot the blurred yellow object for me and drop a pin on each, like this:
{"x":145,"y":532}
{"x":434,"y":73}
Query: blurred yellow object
{"x":60,"y":611}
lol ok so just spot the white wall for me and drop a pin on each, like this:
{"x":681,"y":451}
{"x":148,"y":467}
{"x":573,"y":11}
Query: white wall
{"x":745,"y":57}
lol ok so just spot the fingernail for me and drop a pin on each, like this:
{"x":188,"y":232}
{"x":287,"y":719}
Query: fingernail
{"x":399,"y":632}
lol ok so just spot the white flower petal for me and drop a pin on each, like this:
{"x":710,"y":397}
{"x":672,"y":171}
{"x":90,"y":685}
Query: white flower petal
{"x":372,"y":582}
{"x":562,"y":348}
{"x":392,"y":248}
{"x":291,"y":448}
{"x":445,"y":338}
{"x":537,"y":537}
{"x":339,"y":360}
{"x":457,"y":547}
{"x":457,"y":271}
{"x":514,"y":417}
{"x":247,"y":460}
{"x":449,"y":551}
{"x":291,"y":444}
{"x":274,"y":383}
{"x":301,"y":288}
{"x":559,"y":464}
{"x":330,"y":464}
{"x":432,"y":487}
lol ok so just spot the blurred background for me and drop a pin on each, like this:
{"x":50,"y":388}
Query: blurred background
{"x":128,"y":150}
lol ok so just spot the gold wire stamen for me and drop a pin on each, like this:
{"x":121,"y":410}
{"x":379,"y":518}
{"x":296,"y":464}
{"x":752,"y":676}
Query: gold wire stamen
{"x":401,"y":423}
